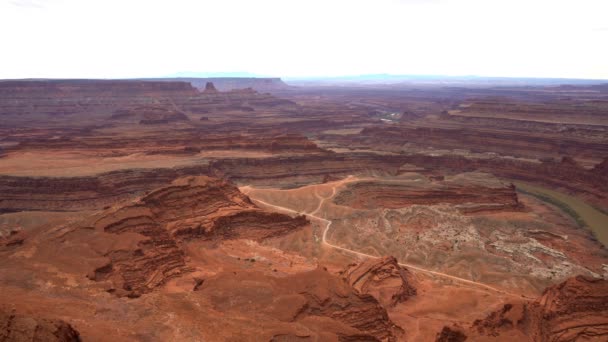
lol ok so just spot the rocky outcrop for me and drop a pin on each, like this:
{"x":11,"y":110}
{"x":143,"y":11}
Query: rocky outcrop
{"x":574,"y":310}
{"x":84,"y":193}
{"x":16,"y":327}
{"x":190,"y":208}
{"x":210,"y":88}
{"x":601,"y":168}
{"x":318,"y":300}
{"x":383,"y":278}
{"x":451,"y":334}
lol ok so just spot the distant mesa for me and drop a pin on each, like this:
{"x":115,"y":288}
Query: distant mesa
{"x":210,"y":88}
{"x":267,"y":84}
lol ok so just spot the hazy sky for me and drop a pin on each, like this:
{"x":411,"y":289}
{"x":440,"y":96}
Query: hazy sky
{"x":131,"y":38}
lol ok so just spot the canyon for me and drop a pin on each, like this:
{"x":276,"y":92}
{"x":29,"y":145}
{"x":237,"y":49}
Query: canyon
{"x":252,"y":209}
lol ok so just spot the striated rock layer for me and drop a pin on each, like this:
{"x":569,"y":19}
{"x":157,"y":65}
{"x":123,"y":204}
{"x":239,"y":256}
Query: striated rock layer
{"x":384,"y":279}
{"x":193,"y":207}
{"x":46,"y":193}
{"x":574,"y":310}
{"x":329,"y":307}
{"x":472,"y":198}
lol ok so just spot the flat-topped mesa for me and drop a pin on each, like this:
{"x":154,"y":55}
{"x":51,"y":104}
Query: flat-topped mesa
{"x":576,"y":309}
{"x":231,"y":83}
{"x":382,"y":278}
{"x":191,"y":207}
{"x":467,"y":196}
{"x":41,"y":100}
{"x":26,"y":88}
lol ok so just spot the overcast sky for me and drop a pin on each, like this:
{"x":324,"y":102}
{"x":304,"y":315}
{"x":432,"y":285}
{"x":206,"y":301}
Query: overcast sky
{"x":131,"y":38}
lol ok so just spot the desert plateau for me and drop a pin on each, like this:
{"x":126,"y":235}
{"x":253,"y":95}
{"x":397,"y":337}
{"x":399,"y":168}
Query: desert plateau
{"x":156,"y":210}
{"x":292,"y":171}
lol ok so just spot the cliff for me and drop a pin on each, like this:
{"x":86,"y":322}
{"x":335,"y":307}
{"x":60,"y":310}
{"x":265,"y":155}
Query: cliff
{"x":190,"y":208}
{"x":470,"y":197}
{"x":75,"y":193}
{"x":574,"y":310}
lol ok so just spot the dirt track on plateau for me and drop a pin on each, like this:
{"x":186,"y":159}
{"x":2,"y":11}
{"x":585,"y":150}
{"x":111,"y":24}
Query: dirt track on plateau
{"x":350,"y":251}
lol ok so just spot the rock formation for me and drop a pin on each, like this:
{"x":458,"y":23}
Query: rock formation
{"x":210,"y":88}
{"x":382,"y":278}
{"x":35,"y":193}
{"x":16,"y":327}
{"x":322,"y":302}
{"x":576,"y":309}
{"x":190,"y":208}
{"x":531,"y":144}
{"x":469,"y":197}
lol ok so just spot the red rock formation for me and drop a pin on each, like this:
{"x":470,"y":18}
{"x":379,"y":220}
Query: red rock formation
{"x":16,"y":327}
{"x":36,"y":193}
{"x":382,"y":278}
{"x":471,"y":197}
{"x":192,"y":207}
{"x":555,"y":110}
{"x":38,"y":99}
{"x":576,"y":309}
{"x":531,"y":144}
{"x":323,"y":303}
{"x":451,"y":334}
{"x":84,"y":193}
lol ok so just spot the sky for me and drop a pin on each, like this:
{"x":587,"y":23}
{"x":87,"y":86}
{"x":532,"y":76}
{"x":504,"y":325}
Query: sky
{"x":303,"y":38}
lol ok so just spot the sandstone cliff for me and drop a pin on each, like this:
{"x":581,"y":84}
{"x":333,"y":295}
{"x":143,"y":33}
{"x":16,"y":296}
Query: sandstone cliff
{"x":574,"y":310}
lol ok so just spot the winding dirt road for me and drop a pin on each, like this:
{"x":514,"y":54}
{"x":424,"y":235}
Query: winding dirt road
{"x":365,"y":255}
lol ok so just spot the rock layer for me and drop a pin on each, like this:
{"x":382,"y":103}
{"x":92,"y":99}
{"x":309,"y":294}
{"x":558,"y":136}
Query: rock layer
{"x":382,"y":278}
{"x":574,"y":310}
{"x":470,"y":198}
{"x":16,"y":327}
{"x":322,"y":302}
{"x":191,"y":208}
